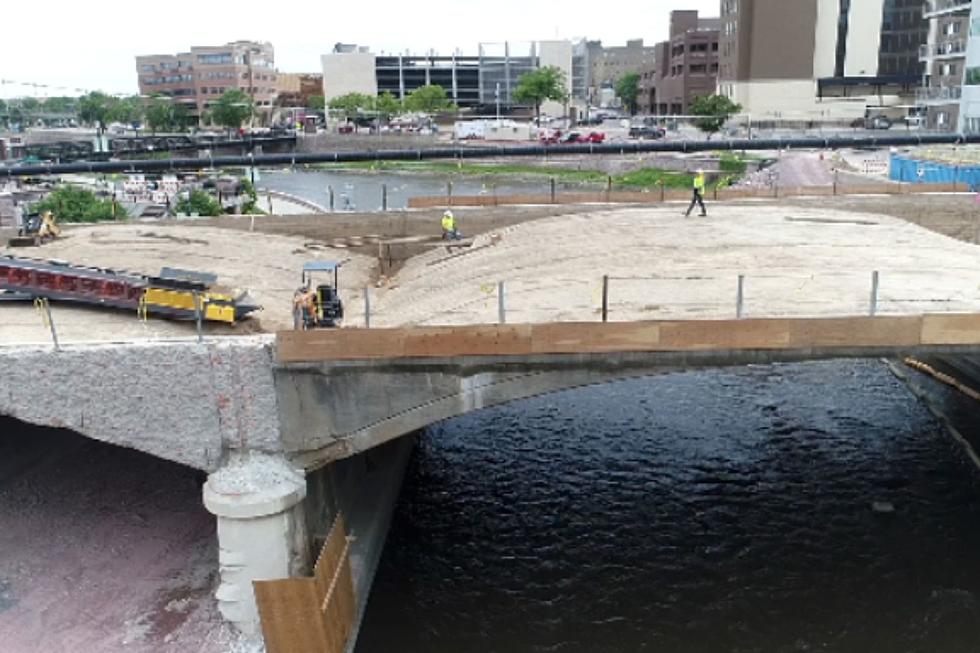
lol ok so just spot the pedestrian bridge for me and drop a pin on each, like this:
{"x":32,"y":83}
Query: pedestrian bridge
{"x":350,"y":390}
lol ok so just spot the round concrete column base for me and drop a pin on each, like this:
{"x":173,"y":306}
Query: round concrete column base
{"x":256,"y":499}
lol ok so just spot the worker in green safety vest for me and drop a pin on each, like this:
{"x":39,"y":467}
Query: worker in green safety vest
{"x":449,"y":231}
{"x":698,"y":198}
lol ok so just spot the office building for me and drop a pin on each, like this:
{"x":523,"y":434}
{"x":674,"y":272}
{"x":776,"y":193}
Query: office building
{"x":198,"y":78}
{"x":684,"y":67}
{"x":474,"y":82}
{"x":944,"y":56}
{"x":820,"y":59}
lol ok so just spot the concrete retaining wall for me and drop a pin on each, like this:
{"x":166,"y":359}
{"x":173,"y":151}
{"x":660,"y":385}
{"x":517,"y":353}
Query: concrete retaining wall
{"x":182,"y":401}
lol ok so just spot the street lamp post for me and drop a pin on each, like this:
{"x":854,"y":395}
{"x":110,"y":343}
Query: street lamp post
{"x":497,"y":96}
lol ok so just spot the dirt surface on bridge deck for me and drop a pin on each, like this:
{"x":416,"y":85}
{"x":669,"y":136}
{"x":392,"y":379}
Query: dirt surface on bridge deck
{"x":268,"y":266}
{"x":553,"y":259}
{"x":798,"y":258}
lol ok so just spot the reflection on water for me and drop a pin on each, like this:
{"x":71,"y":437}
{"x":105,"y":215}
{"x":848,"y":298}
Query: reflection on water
{"x":726,"y":510}
{"x":363,"y":192}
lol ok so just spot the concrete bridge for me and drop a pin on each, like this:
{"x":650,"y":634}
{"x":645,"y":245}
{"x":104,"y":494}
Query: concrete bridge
{"x":296,"y":428}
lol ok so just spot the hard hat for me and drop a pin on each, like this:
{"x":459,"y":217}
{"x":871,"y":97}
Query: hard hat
{"x":448,"y":214}
{"x":700,"y":171}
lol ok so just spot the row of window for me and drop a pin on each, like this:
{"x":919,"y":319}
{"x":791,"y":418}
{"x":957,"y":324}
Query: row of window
{"x":695,"y":69}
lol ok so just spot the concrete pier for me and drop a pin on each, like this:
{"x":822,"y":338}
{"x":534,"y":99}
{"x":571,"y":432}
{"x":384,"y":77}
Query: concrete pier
{"x":261,"y":530}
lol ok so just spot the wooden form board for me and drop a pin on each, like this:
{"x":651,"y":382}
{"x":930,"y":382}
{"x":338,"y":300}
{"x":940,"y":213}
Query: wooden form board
{"x":311,"y":615}
{"x":624,"y":337}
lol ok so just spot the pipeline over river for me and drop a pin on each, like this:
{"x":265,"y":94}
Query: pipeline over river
{"x":163,"y":165}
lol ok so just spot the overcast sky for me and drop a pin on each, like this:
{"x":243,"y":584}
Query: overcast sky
{"x":92,"y":45}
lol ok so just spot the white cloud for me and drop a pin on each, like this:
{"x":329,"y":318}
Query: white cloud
{"x":92,"y":45}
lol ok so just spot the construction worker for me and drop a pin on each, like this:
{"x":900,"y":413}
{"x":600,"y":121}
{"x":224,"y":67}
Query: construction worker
{"x":698,"y":198}
{"x":449,"y":231}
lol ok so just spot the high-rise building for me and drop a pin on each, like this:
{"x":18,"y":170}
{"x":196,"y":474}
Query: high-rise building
{"x":198,"y":78}
{"x":945,"y":57}
{"x":608,"y":64}
{"x":820,"y":59}
{"x":684,"y":67}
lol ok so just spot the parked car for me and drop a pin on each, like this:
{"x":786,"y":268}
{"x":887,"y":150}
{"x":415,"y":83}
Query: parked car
{"x":652,"y":132}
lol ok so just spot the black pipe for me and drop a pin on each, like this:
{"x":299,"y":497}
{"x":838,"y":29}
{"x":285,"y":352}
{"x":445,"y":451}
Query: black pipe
{"x":164,"y":165}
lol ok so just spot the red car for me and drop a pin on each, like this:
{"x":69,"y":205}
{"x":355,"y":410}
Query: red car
{"x":576,"y":137}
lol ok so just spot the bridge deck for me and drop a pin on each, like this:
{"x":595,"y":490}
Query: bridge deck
{"x":780,"y":334}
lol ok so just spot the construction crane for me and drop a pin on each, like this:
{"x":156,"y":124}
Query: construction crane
{"x":174,"y":294}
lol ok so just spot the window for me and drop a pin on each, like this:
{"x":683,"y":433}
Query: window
{"x":214,"y":59}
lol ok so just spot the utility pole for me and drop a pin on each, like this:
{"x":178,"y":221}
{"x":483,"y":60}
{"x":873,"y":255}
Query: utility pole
{"x":497,"y":96}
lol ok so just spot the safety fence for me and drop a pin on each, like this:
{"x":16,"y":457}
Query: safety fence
{"x":684,"y":295}
{"x":554,"y":195}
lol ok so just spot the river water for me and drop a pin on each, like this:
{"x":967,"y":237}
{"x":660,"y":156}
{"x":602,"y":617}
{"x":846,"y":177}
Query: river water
{"x":727,"y":510}
{"x":354,"y":191}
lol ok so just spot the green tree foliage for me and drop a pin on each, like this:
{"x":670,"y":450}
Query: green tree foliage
{"x":352,"y":104}
{"x":70,"y":204}
{"x":4,"y":113}
{"x":200,"y":203}
{"x":251,"y":204}
{"x":546,"y":83}
{"x":232,"y":109}
{"x":99,"y":109}
{"x":429,"y":99}
{"x":59,"y":105}
{"x":163,"y":114}
{"x":316,"y":102}
{"x":628,"y":88}
{"x":715,"y":109}
{"x":128,"y":111}
{"x":388,"y":106}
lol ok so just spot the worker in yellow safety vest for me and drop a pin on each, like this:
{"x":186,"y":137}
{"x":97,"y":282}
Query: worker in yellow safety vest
{"x":449,"y":231}
{"x":698,"y":198}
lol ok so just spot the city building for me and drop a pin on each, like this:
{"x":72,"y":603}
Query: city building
{"x":478,"y":82}
{"x":197,"y":78}
{"x":945,"y":58}
{"x":683,"y":68}
{"x":608,"y":64}
{"x":296,"y":89}
{"x":969,"y":113}
{"x":820,"y":59}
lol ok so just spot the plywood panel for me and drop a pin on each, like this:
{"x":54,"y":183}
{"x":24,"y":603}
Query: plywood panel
{"x":291,"y":618}
{"x":950,"y":329}
{"x":489,"y":340}
{"x":340,"y":344}
{"x":856,"y":332}
{"x":586,"y":337}
{"x":596,"y":337}
{"x":330,"y":556}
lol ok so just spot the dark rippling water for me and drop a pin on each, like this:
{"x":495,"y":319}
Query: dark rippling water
{"x":713,"y":511}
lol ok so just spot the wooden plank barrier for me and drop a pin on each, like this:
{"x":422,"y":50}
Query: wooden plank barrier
{"x":624,"y":337}
{"x":311,"y":615}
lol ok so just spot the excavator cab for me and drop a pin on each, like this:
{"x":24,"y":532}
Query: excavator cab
{"x":318,"y":306}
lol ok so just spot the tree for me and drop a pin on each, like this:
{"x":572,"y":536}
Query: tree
{"x":546,"y":83}
{"x":715,"y":109}
{"x":316,"y":102}
{"x":200,"y":203}
{"x":59,"y":105}
{"x":162,"y":113}
{"x":352,"y":104}
{"x":628,"y":88}
{"x":71,"y":204}
{"x":128,"y":111}
{"x":429,"y":99}
{"x":4,"y":115}
{"x":95,"y":109}
{"x":388,"y":105}
{"x":232,"y":109}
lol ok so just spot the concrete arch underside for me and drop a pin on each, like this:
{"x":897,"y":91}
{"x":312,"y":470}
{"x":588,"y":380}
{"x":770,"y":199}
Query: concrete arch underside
{"x":337,"y":410}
